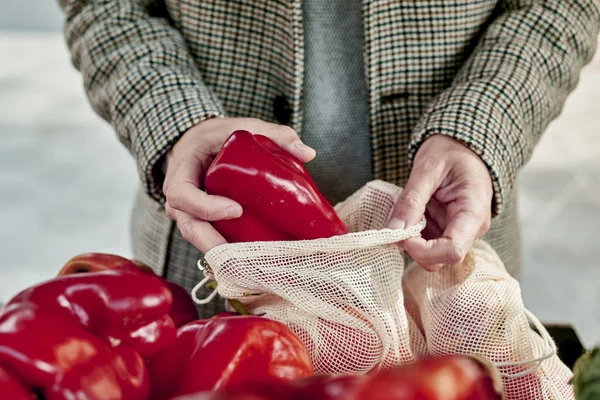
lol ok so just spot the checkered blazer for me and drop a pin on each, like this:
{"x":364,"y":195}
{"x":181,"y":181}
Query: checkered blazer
{"x":489,"y":73}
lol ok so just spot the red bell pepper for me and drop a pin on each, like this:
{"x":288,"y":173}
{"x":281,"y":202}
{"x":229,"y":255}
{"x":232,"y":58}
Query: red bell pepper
{"x":11,"y":387}
{"x":183,"y":309}
{"x":316,"y":387}
{"x":51,"y":353}
{"x":279,"y":198}
{"x":326,"y":387}
{"x":227,"y":352}
{"x":452,"y":377}
{"x":276,"y":390}
{"x":118,"y":306}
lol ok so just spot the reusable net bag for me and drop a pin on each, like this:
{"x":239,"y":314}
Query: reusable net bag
{"x":476,"y":308}
{"x":342,"y":295}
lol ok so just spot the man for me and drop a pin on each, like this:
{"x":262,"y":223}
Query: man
{"x":446,"y":99}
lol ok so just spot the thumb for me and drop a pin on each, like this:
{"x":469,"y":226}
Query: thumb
{"x":422,"y":183}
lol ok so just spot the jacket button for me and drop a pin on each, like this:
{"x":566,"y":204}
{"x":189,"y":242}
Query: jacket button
{"x":282,"y":110}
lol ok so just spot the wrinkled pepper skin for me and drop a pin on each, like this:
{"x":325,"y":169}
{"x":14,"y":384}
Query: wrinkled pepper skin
{"x":183,"y":309}
{"x":226,"y":352}
{"x":12,"y":388}
{"x":451,"y":377}
{"x":54,"y":355}
{"x":280,"y":201}
{"x":118,"y":306}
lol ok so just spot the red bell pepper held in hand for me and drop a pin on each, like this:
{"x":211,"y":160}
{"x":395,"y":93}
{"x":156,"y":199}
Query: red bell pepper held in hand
{"x":452,"y":377}
{"x":12,"y":388}
{"x":227,"y":352}
{"x":279,"y":198}
{"x":183,"y":309}
{"x":118,"y":306}
{"x":55,"y":356}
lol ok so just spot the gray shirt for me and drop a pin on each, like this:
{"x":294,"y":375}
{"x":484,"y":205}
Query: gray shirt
{"x":335,"y":97}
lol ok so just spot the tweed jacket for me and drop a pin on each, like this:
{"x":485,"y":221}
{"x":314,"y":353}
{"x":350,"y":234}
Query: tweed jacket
{"x":489,"y":73}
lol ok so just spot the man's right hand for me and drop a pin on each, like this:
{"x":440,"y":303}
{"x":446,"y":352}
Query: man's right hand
{"x":187,"y":163}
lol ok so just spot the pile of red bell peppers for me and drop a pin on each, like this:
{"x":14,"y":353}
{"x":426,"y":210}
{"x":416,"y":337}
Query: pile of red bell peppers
{"x":104,"y":330}
{"x":109,"y":328}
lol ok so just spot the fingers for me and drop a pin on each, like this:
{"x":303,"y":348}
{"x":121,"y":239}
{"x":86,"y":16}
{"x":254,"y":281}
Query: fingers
{"x":186,"y":203}
{"x":456,"y":193}
{"x":186,"y":167}
{"x":462,"y":230}
{"x":191,"y":209}
{"x":199,"y":233}
{"x":432,"y":228}
{"x":451,"y":248}
{"x":454,"y":185}
{"x":215,"y":131}
{"x":287,"y":139}
{"x":424,"y":180}
{"x":182,"y":192}
{"x":187,"y":198}
{"x":436,"y":211}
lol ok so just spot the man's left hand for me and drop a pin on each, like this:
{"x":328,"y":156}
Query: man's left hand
{"x":452,"y":187}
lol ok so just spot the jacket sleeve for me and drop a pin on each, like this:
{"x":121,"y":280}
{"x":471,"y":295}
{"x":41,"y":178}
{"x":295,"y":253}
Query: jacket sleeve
{"x":514,"y":84}
{"x":139,"y":76}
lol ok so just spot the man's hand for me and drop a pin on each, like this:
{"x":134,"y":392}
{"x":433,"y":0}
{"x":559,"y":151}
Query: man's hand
{"x":452,"y":187}
{"x":187,"y":163}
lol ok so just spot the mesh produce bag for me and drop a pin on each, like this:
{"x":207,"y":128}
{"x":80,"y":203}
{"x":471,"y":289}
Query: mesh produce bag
{"x":476,"y":308}
{"x":342,"y":295}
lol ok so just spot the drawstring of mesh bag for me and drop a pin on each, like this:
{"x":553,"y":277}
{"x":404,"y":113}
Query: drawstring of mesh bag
{"x":537,"y":361}
{"x":205,"y":268}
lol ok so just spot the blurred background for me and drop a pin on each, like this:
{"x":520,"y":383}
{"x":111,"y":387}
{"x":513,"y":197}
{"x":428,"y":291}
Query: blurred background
{"x":67,"y":184}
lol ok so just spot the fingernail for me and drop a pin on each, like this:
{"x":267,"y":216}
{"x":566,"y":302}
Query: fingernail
{"x":301,"y":147}
{"x":233,"y":212}
{"x":397,"y":224}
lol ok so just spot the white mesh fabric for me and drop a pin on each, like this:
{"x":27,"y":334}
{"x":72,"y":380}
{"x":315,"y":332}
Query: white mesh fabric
{"x":356,"y":309}
{"x":342,"y":295}
{"x":476,"y":308}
